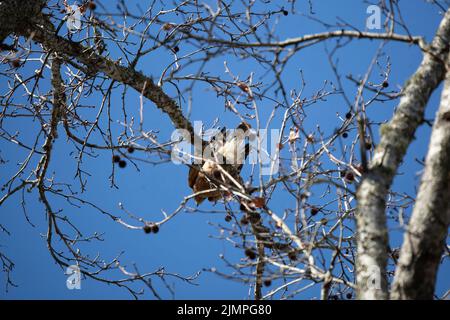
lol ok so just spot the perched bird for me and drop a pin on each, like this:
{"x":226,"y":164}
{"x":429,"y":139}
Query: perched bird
{"x":223,"y":151}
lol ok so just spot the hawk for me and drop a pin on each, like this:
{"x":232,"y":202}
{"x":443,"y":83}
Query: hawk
{"x":221,"y":154}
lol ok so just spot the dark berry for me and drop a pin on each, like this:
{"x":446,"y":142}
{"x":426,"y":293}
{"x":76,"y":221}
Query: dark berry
{"x":147,"y":228}
{"x":130,"y":149}
{"x":250,"y":254}
{"x":385,"y":84}
{"x":228,"y":218}
{"x":285,"y":12}
{"x":267,"y":282}
{"x":348,"y":115}
{"x":349,"y":295}
{"x":314,"y":211}
{"x":92,"y":5}
{"x":349,"y":176}
{"x":292,"y":255}
{"x":122,"y":163}
{"x":176,"y":49}
{"x":345,"y":135}
{"x":155,"y":228}
{"x":116,"y":158}
{"x":368,"y":145}
{"x":15,"y":63}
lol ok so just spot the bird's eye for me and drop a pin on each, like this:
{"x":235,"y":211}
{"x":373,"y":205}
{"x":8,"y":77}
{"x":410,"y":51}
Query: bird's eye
{"x":216,"y":174}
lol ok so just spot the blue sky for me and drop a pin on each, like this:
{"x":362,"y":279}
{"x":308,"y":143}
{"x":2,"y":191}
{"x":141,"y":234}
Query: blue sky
{"x":186,"y":244}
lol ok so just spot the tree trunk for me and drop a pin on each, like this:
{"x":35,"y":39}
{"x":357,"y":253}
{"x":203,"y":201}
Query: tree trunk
{"x":372,"y":237}
{"x":425,"y":236}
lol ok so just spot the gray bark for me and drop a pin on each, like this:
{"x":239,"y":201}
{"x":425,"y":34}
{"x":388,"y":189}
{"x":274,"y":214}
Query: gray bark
{"x":372,"y":236}
{"x":16,"y":14}
{"x":424,"y":239}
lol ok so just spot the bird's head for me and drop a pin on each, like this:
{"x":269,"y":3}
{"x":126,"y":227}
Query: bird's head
{"x":244,"y":126}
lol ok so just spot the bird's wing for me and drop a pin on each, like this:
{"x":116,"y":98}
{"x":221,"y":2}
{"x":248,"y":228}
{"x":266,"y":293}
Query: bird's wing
{"x":192,"y":177}
{"x":233,"y":151}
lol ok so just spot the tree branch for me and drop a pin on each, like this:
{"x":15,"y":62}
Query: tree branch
{"x":15,"y":15}
{"x":314,"y":38}
{"x":43,"y":33}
